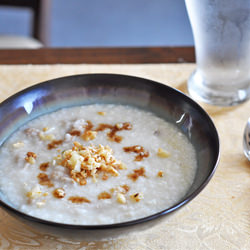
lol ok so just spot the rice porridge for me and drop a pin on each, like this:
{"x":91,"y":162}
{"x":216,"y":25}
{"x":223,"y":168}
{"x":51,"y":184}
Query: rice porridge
{"x":96,"y":164}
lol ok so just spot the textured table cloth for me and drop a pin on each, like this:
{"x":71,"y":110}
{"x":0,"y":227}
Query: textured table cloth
{"x":219,"y":218}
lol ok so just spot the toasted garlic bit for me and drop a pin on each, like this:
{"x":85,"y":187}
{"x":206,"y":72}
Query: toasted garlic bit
{"x":59,"y":193}
{"x":77,"y":145}
{"x":137,"y":173}
{"x":163,"y":153}
{"x":89,"y":161}
{"x":54,"y":144}
{"x":44,"y":166}
{"x":89,"y":135}
{"x":30,"y":160}
{"x":45,"y":129}
{"x":139,"y":150}
{"x":121,"y":198}
{"x":78,"y":199}
{"x":113,"y":129}
{"x":30,"y":157}
{"x":112,"y":136}
{"x":122,"y":189}
{"x":31,"y":154}
{"x":104,"y":195}
{"x":105,"y":177}
{"x":101,"y":113}
{"x":122,"y":166}
{"x":74,"y":133}
{"x":46,"y":137}
{"x":34,"y":193}
{"x":125,"y":188}
{"x":160,"y":174}
{"x":18,"y":145}
{"x":136,"y":197}
{"x":44,"y":180}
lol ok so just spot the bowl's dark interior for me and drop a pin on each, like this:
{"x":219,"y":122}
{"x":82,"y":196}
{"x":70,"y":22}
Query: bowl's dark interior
{"x":164,"y":101}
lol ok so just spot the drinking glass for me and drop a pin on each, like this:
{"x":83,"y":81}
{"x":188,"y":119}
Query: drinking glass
{"x":221,"y":30}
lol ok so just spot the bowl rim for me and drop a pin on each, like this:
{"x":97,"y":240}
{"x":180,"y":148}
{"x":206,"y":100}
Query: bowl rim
{"x":159,"y":214}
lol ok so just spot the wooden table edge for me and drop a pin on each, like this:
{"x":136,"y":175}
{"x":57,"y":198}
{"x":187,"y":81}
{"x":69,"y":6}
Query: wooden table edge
{"x":120,"y":55}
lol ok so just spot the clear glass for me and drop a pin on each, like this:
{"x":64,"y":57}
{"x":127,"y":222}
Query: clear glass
{"x":221,"y":30}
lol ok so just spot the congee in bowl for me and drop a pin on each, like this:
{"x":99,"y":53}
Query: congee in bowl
{"x":102,"y":151}
{"x":96,"y":164}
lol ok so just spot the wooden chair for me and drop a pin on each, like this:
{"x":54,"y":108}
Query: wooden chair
{"x":41,"y":17}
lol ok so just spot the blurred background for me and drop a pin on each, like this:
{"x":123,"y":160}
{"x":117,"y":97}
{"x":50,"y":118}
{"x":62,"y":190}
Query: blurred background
{"x":98,"y":23}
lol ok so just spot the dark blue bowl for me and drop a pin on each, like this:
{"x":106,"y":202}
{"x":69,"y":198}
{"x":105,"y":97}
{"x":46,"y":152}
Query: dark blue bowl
{"x":164,"y":101}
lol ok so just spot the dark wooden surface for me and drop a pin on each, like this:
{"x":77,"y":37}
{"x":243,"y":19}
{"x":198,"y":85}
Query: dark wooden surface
{"x":98,"y":55}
